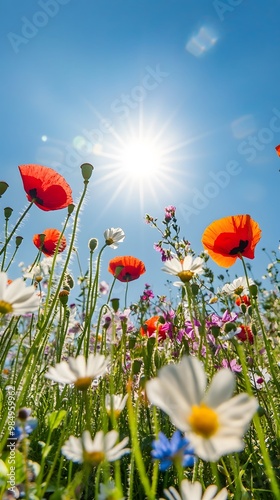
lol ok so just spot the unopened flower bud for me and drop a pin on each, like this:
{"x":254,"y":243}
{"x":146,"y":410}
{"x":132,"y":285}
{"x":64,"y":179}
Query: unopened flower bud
{"x":63,"y":297}
{"x":115,"y":304}
{"x":254,"y":329}
{"x":8,"y":212}
{"x":261,"y":411}
{"x":87,"y":169}
{"x":253,"y":290}
{"x":42,"y":237}
{"x":229,"y":327}
{"x":215,"y":331}
{"x":18,"y":240}
{"x":70,"y":208}
{"x":3,"y":187}
{"x":243,"y":308}
{"x":92,"y":244}
{"x":69,"y":281}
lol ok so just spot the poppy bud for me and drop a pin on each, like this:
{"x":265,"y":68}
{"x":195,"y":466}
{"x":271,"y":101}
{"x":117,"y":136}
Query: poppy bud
{"x":243,"y":308}
{"x":216,"y":331}
{"x":229,"y":327}
{"x":250,"y":310}
{"x":115,"y":304}
{"x":261,"y":411}
{"x":253,"y":290}
{"x":3,"y":187}
{"x":42,"y":238}
{"x":87,"y":169}
{"x":70,"y":208}
{"x":254,"y":329}
{"x":18,"y":240}
{"x":69,"y":281}
{"x":8,"y":212}
{"x":92,"y":244}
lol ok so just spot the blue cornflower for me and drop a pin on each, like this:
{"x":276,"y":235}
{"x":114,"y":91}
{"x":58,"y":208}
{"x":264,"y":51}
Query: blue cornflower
{"x":23,"y":428}
{"x":177,"y":449}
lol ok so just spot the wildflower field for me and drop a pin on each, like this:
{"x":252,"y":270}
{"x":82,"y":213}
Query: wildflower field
{"x":162,"y":398}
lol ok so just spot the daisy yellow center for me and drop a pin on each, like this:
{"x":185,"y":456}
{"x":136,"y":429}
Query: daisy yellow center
{"x":116,"y":412}
{"x":5,"y":307}
{"x":239,"y":290}
{"x":185,"y":276}
{"x":109,"y":241}
{"x":203,"y":420}
{"x":94,"y":457}
{"x":83,"y":383}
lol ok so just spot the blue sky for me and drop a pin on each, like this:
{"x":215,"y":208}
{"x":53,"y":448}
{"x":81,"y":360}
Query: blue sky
{"x":197,"y":81}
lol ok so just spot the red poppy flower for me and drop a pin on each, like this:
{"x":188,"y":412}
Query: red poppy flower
{"x":243,"y":299}
{"x":49,"y":242}
{"x":278,"y":149}
{"x":126,"y":268}
{"x":246,"y":334}
{"x":43,"y":185}
{"x":231,"y":237}
{"x":154,"y":327}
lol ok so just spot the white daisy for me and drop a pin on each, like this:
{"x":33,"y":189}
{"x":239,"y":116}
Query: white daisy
{"x":114,"y":236}
{"x":214,"y":422}
{"x":79,"y":371}
{"x":193,"y":491}
{"x":115,"y":403}
{"x":34,"y":273}
{"x":239,"y":286}
{"x":102,"y":447}
{"x":16,"y":298}
{"x":185,"y":269}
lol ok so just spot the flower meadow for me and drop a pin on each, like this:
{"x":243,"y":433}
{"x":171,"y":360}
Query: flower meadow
{"x":165,"y":398}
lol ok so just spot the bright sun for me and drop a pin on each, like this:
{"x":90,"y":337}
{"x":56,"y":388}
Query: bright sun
{"x":140,"y":158}
{"x":140,"y":162}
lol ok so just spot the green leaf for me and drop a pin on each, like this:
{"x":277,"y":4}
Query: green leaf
{"x":55,"y":418}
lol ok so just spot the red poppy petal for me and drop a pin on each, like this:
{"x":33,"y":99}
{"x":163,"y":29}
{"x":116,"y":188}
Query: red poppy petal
{"x":278,"y":149}
{"x":126,"y":268}
{"x":227,"y":238}
{"x":221,"y":260}
{"x":50,"y":242}
{"x":47,"y":187}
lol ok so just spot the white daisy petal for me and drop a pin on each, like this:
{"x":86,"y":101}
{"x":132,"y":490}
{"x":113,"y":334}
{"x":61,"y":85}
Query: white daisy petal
{"x":16,"y":298}
{"x":73,"y":449}
{"x":221,"y":388}
{"x":193,"y":491}
{"x":213,"y":422}
{"x":96,"y":450}
{"x":79,"y":370}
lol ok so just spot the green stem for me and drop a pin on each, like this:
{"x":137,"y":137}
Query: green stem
{"x":132,"y":419}
{"x":3,"y":249}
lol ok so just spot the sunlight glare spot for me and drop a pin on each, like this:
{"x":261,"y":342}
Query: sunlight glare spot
{"x":140,"y":159}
